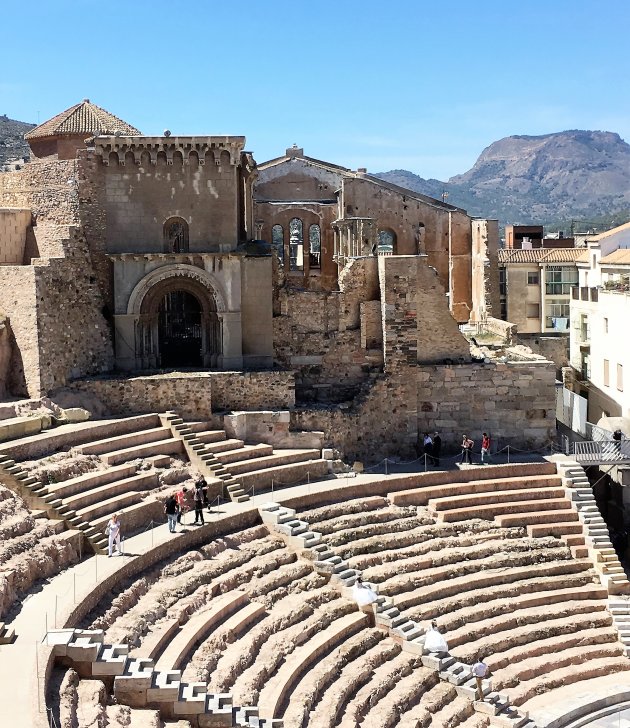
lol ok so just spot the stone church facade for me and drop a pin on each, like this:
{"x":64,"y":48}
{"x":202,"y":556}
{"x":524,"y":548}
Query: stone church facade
{"x":292,"y":284}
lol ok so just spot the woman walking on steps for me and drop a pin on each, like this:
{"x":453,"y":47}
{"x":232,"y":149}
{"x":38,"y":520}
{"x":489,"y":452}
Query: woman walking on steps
{"x":113,"y":535}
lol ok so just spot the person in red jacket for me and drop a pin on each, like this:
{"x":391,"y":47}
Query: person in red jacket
{"x":485,"y":448}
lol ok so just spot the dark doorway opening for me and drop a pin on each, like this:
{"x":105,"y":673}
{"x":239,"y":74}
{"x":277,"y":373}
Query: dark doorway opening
{"x":179,"y":330}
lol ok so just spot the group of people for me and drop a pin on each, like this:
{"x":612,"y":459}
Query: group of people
{"x":365,"y":596}
{"x":431,"y":447}
{"x":176,"y":505}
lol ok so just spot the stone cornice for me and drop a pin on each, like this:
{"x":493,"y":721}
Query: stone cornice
{"x":171,"y":257}
{"x":203,"y":147}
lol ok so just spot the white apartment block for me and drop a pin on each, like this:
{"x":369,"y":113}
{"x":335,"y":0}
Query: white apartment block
{"x":600,"y":323}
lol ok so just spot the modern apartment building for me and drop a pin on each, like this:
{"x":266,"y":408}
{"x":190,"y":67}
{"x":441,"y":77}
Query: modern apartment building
{"x":535,"y":287}
{"x":600,"y":316}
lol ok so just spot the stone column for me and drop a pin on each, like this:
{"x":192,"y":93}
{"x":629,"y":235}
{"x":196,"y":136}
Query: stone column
{"x":231,"y":340}
{"x":125,"y":333}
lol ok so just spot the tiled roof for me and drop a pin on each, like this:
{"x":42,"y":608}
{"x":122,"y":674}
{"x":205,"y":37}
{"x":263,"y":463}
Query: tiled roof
{"x":84,"y":118}
{"x":540,"y":255}
{"x":614,"y":231}
{"x":621,"y":256}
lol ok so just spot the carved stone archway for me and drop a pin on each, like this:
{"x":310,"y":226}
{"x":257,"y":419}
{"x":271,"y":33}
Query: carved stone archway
{"x":211,"y":327}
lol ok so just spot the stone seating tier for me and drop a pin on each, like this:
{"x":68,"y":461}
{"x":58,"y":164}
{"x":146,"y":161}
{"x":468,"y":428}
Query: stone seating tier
{"x":65,"y":436}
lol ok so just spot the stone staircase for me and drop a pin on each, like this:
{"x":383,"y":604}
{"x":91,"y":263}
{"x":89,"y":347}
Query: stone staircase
{"x":409,"y":633}
{"x":138,"y":684}
{"x":204,"y":457}
{"x":231,"y":466}
{"x":597,"y":537}
{"x":34,"y":493}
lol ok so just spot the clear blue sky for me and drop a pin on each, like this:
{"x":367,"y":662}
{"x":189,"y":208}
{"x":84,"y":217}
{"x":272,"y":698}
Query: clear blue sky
{"x":407,"y":84}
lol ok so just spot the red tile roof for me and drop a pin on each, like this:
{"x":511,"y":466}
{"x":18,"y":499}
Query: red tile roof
{"x":540,"y":255}
{"x":84,"y":118}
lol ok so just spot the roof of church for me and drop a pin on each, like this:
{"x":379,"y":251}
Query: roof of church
{"x":295,"y":153}
{"x":84,"y":118}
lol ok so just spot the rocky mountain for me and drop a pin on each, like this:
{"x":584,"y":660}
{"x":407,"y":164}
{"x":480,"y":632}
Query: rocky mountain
{"x":12,"y":144}
{"x":545,"y":179}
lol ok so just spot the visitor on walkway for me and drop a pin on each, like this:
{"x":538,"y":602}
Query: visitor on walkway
{"x":486,"y":443}
{"x":434,"y":641}
{"x":181,"y":503}
{"x":437,"y":449}
{"x":171,"y":509}
{"x":113,"y":534}
{"x":467,"y":446}
{"x":617,"y":437}
{"x":365,"y":597}
{"x":198,"y":499}
{"x":427,"y":448}
{"x":480,"y":672}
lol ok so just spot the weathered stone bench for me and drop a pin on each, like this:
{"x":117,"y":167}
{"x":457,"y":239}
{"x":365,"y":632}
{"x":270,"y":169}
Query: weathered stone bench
{"x":88,"y":481}
{"x":199,"y":627}
{"x":121,"y":442}
{"x":170,"y":446}
{"x":281,"y":684}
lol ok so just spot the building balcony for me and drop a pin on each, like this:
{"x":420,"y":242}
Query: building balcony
{"x":584,"y":293}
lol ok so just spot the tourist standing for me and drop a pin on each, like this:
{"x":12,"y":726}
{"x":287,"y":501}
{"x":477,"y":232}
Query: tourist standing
{"x":427,"y":448}
{"x":171,"y":509}
{"x":198,"y":499}
{"x":485,"y":448}
{"x":437,"y":449}
{"x":480,"y":671}
{"x":467,"y":446}
{"x":617,"y":437}
{"x":181,"y":503}
{"x":113,"y":535}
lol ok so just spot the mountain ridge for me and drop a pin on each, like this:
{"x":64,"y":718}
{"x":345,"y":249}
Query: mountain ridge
{"x":542,"y":178}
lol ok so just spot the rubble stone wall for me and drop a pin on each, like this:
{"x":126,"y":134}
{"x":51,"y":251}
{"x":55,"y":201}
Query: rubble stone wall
{"x":514,"y":403}
{"x":193,"y":395}
{"x":14,"y":224}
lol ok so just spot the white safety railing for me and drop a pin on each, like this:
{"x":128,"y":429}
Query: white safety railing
{"x":602,"y":451}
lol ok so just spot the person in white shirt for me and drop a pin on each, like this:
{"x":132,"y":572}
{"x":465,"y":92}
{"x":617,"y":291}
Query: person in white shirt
{"x":480,"y":671}
{"x":113,"y":533}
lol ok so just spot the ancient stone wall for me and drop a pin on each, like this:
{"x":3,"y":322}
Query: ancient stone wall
{"x":553,"y":348}
{"x":193,"y":395}
{"x":74,"y":337}
{"x":318,"y":335}
{"x":252,"y":390}
{"x":513,"y":402}
{"x":485,"y":270}
{"x":417,"y":325}
{"x":18,"y":300}
{"x":47,"y":188}
{"x":14,"y":224}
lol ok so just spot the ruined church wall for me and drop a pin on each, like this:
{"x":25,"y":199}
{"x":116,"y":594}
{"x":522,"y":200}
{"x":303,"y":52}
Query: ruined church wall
{"x":420,"y":227}
{"x":318,"y":335}
{"x":417,"y":324}
{"x":514,"y":403}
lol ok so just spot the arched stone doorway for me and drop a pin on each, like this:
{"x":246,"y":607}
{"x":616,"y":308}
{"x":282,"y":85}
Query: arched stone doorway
{"x":178,"y":317}
{"x":180,"y":330}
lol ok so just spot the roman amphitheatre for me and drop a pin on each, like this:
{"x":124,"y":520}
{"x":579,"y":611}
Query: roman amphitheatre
{"x":288,"y":330}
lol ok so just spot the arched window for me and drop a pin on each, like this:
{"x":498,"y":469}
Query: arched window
{"x":296,"y":244}
{"x":315,"y":247}
{"x":277,"y":240}
{"x":386,"y":242}
{"x":176,"y":235}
